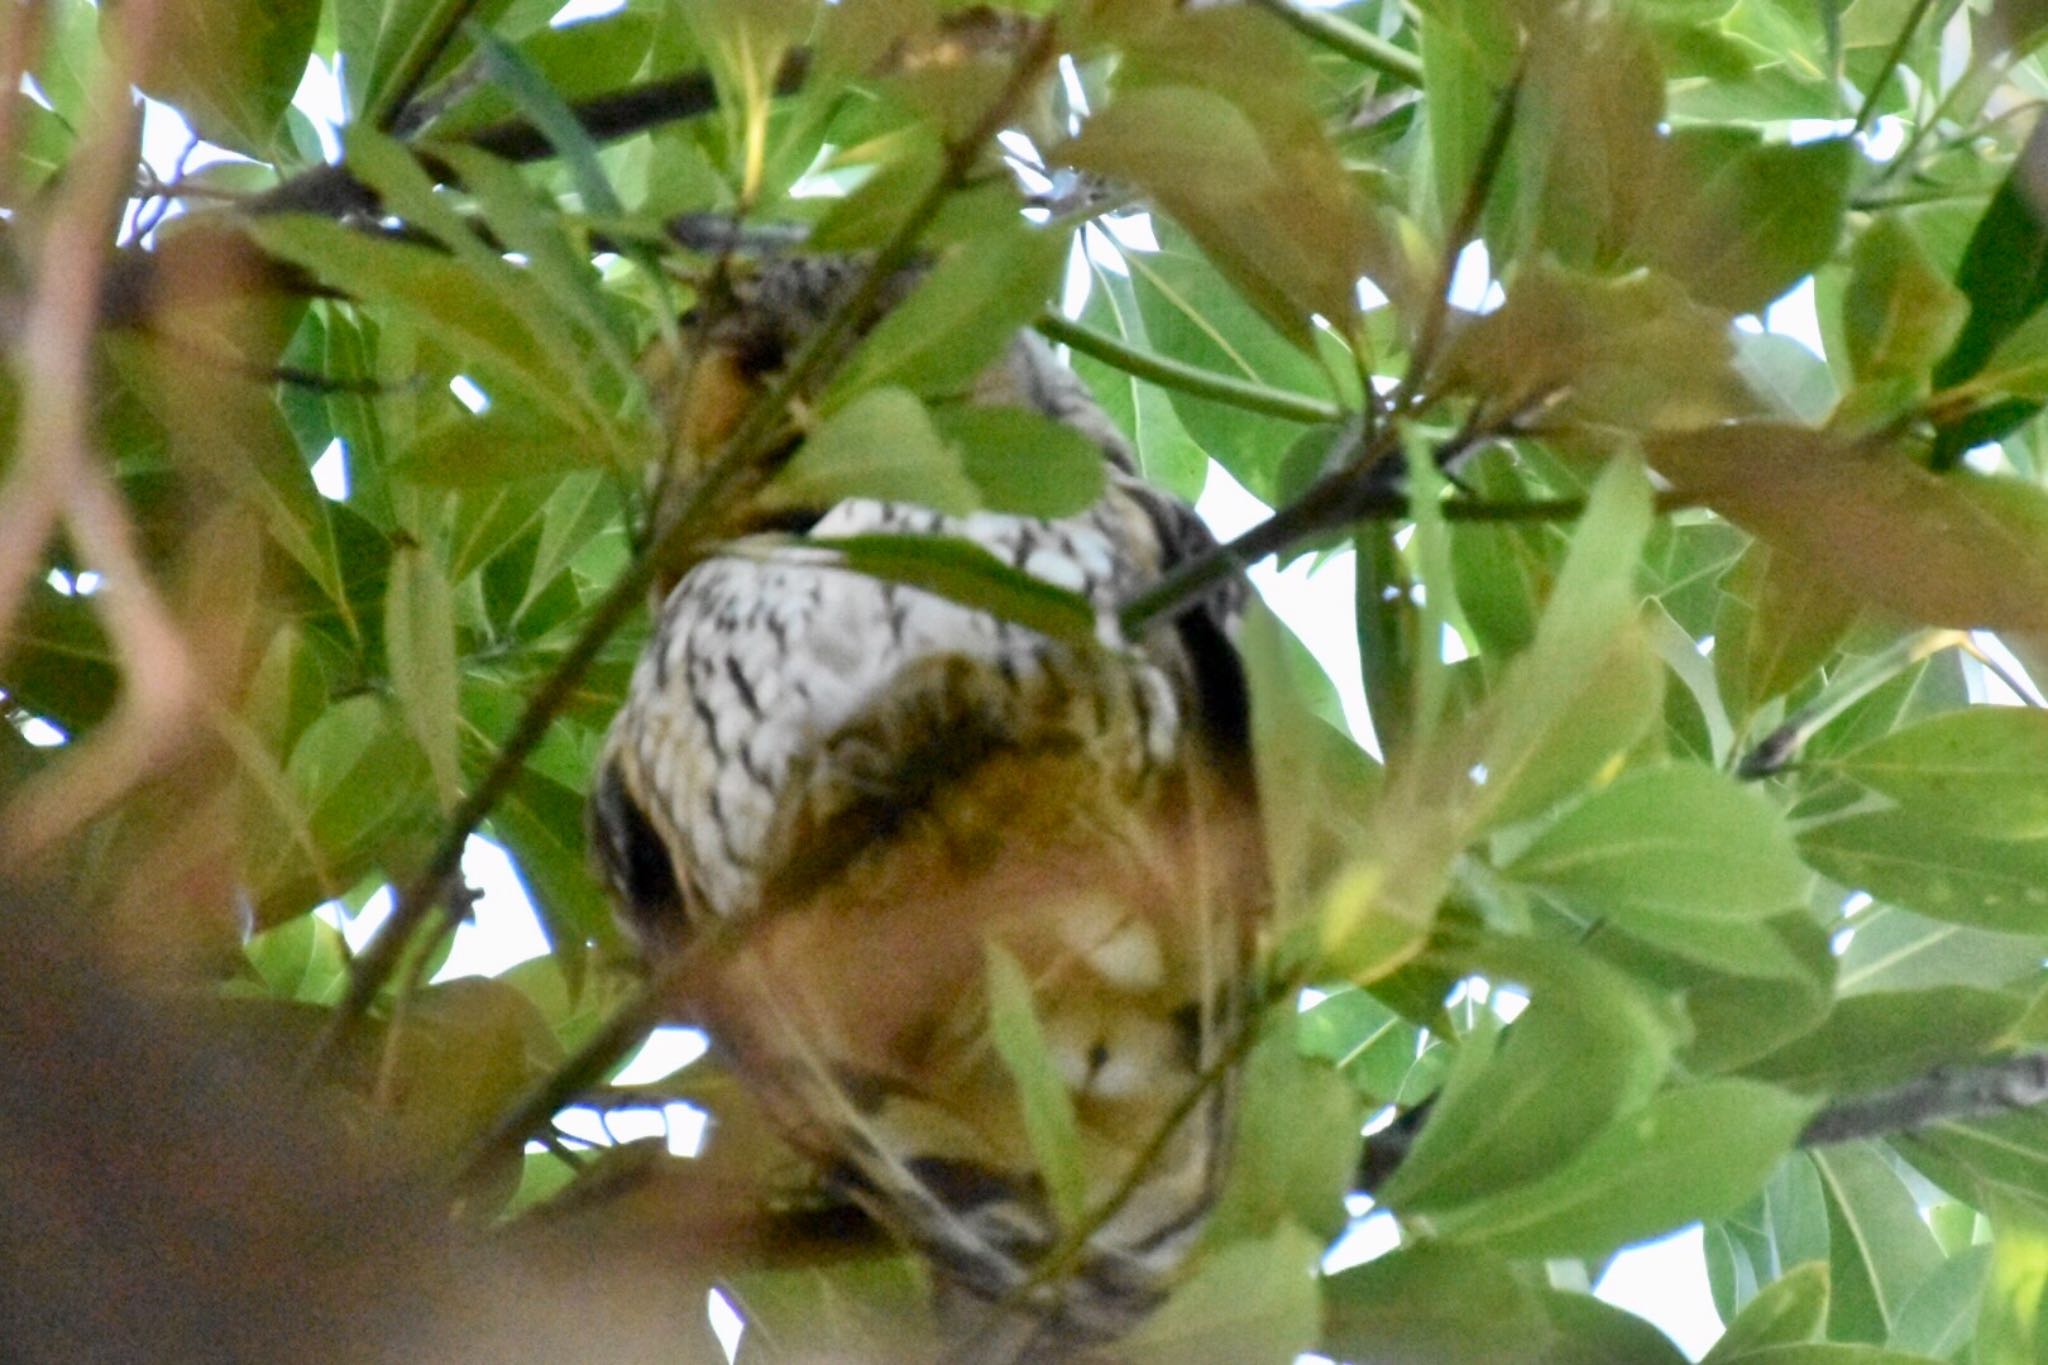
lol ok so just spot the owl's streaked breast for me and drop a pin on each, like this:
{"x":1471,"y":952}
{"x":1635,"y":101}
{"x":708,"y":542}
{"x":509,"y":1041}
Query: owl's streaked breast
{"x":760,"y":657}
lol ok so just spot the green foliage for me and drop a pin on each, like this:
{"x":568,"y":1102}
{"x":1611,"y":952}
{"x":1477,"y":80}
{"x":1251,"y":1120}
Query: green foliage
{"x":1635,"y":546}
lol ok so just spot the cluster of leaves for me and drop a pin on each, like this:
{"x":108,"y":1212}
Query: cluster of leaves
{"x":1552,"y":813}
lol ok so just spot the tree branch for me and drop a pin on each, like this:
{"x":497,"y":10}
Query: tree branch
{"x":333,"y":192}
{"x":1188,"y":379}
{"x":1364,"y":488}
{"x":417,"y":63}
{"x":1868,"y":112}
{"x":1348,"y":39}
{"x":1949,"y":1092}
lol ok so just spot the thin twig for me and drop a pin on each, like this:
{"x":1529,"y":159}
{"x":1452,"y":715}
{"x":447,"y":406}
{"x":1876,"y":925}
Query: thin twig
{"x":1073,"y":1243}
{"x":1868,"y":112}
{"x":1188,"y":379}
{"x":1356,"y":491}
{"x":1342,"y":36}
{"x":1492,"y":153}
{"x":416,"y":64}
{"x":584,"y":1072}
{"x":726,"y":480}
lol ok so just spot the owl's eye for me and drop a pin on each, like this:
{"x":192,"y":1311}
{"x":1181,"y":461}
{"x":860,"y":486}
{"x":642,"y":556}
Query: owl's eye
{"x":760,"y":353}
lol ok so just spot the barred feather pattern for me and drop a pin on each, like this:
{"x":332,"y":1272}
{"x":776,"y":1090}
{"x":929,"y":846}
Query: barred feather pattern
{"x":863,"y":785}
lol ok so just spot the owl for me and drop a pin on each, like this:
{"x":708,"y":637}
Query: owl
{"x":848,"y":798}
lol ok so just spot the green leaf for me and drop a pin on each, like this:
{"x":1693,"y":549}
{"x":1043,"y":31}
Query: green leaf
{"x":543,"y":106}
{"x":1622,"y":699}
{"x":1591,"y":103}
{"x":1940,"y":1317}
{"x":1282,"y":223}
{"x":1986,"y":1160}
{"x":1468,"y":49}
{"x":881,"y":445}
{"x":1899,"y":315}
{"x":1042,"y":1095}
{"x":1958,"y":549}
{"x":1368,"y":1041}
{"x":1315,"y":782}
{"x":1763,"y":219}
{"x":1167,"y":455}
{"x":1503,"y":570}
{"x":1253,"y":1300}
{"x":2004,"y":271}
{"x":419,"y":642}
{"x":577,"y":61}
{"x":1681,"y":840}
{"x":1433,"y":1302}
{"x":1022,"y":461}
{"x":2014,"y":1329}
{"x":474,"y":314}
{"x":1881,"y":1037}
{"x":962,"y":571}
{"x":1632,"y":352}
{"x":1905,"y":859}
{"x":1738,"y":1018}
{"x":1694,"y":1152}
{"x":1983,"y":769}
{"x":304,"y":958}
{"x":1193,"y":315}
{"x":1792,"y":1309}
{"x":231,"y":66}
{"x":1895,"y":949}
{"x":1596,"y":1333}
{"x":961,"y":317}
{"x":1590,"y":1046}
{"x":1829,"y":1353}
{"x":1879,"y":1249}
{"x":1443,"y":792}
{"x":1295,"y":1152}
{"x":363,"y":787}
{"x":488,"y":449}
{"x":1776,"y":627}
{"x":415,"y":40}
{"x":541,"y":826}
{"x":1591,"y":612}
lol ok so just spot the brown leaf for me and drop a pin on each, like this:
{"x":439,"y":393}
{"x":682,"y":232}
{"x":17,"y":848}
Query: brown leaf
{"x":1958,"y":549}
{"x":1632,"y":352}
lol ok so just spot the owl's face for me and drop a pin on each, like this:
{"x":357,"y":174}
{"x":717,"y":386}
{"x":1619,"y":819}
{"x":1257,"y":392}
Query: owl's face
{"x":752,"y":318}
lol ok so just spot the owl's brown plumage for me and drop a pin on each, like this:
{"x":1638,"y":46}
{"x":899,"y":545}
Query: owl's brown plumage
{"x":866,"y":785}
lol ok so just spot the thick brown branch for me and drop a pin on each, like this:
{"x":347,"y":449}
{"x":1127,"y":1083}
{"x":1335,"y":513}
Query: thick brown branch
{"x":333,"y":192}
{"x":1950,"y":1092}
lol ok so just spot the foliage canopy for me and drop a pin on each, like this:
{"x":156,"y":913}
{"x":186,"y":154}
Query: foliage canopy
{"x":1664,"y":619}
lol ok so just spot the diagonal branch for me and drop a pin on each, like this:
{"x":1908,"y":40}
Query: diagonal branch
{"x":1348,"y":39}
{"x":1949,"y":1092}
{"x":1188,"y":379}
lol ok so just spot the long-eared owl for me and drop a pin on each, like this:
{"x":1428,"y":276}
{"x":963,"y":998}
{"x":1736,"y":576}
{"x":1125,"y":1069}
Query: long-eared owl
{"x":850,"y":789}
